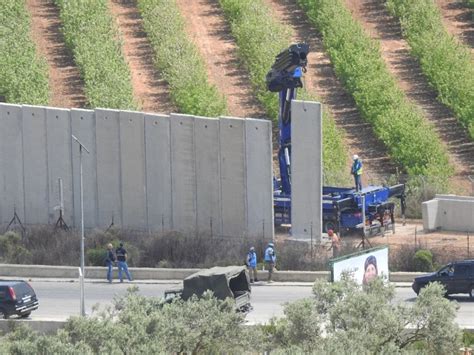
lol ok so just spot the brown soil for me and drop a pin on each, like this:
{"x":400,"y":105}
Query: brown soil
{"x":65,"y":83}
{"x":458,"y":20}
{"x":149,"y":89}
{"x":206,"y":26}
{"x":407,"y":72}
{"x":320,"y":79}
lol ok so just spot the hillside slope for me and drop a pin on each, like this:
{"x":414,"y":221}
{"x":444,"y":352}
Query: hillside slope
{"x":66,"y":85}
{"x":395,"y":52}
{"x":321,"y":79}
{"x":206,"y":26}
{"x":458,"y":20}
{"x":149,"y":89}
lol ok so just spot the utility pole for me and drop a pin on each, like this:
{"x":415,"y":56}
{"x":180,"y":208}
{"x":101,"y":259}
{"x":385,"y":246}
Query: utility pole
{"x":82,"y":274}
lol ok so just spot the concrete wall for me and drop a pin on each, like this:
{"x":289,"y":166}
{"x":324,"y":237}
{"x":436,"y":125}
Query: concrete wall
{"x":144,"y":171}
{"x":306,"y":170}
{"x":449,"y":212}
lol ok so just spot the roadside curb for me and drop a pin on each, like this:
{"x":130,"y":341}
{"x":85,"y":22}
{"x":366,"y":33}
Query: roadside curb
{"x":153,"y":275}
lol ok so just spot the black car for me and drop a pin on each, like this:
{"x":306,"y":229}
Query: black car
{"x":16,"y":298}
{"x":457,"y":277}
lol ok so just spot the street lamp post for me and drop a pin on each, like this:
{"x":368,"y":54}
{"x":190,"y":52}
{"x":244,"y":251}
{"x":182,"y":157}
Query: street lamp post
{"x":82,"y":275}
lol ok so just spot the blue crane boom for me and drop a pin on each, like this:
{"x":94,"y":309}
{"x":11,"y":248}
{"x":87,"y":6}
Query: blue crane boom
{"x":342,"y":207}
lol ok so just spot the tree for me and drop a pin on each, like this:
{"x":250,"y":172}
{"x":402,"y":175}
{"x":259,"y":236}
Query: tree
{"x":345,"y":318}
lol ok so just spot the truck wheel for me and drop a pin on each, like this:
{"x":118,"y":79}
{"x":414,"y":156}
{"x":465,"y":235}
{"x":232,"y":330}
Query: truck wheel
{"x":329,"y":224}
{"x":471,"y":292}
{"x":3,"y":314}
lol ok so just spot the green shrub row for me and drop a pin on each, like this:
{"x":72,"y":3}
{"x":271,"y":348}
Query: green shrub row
{"x":470,"y":3}
{"x":23,"y":75}
{"x":91,"y":34}
{"x":412,"y":142}
{"x":179,"y":60}
{"x":447,"y":64}
{"x":260,"y":38}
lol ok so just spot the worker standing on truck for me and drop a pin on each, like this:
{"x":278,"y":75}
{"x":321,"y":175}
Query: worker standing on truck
{"x":356,"y":170}
{"x":270,"y":259}
{"x":252,"y":264}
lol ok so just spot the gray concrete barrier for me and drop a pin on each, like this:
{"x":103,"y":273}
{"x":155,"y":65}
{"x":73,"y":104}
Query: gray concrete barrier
{"x":97,"y":272}
{"x":41,"y":326}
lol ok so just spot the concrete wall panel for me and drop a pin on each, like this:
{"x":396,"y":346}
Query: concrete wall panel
{"x":259,"y":178}
{"x":429,"y":210}
{"x":306,"y":170}
{"x":35,"y":165}
{"x":158,"y":172}
{"x":132,"y":157}
{"x":109,"y":182}
{"x":58,"y":124}
{"x":183,"y":173}
{"x":83,"y":127}
{"x":206,"y":137}
{"x":11,"y":163}
{"x":233,"y":176}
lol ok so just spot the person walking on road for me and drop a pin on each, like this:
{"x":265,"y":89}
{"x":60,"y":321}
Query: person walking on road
{"x":270,"y":259}
{"x":356,"y":171}
{"x":335,"y":243}
{"x":109,"y":261}
{"x":252,"y":264}
{"x":122,"y":263}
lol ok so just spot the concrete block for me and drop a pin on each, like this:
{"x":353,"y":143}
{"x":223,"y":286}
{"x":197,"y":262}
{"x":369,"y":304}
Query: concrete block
{"x":132,"y":164}
{"x":258,"y":140}
{"x":429,"y":210}
{"x":456,"y":215}
{"x":58,"y":128}
{"x":83,"y":127}
{"x":108,"y":167}
{"x":11,"y":163}
{"x":183,"y":173}
{"x":306,"y":170}
{"x":206,"y":138}
{"x":233,"y":176}
{"x":158,"y":172}
{"x":35,"y":165}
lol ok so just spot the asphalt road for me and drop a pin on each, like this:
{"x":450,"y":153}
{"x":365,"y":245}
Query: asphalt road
{"x":59,"y":299}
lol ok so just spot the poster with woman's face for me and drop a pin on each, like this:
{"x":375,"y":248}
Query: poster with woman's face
{"x":364,"y":266}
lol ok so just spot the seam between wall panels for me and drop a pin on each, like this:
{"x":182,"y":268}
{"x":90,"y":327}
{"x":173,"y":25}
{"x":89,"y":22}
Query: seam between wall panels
{"x":69,"y":115}
{"x":23,"y":162}
{"x":94,"y":138}
{"x":145,"y":170}
{"x":246,"y":176}
{"x":48,"y":175}
{"x":172,"y":227}
{"x":119,"y":123}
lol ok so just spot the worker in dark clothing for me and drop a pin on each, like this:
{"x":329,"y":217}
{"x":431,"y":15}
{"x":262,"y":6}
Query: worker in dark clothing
{"x":356,"y":171}
{"x":109,"y":261}
{"x":122,"y":263}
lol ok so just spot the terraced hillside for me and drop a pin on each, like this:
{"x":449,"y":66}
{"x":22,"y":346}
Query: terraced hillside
{"x":395,"y":51}
{"x":153,"y":78}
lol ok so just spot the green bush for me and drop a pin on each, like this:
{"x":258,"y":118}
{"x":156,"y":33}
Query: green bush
{"x":423,"y":260}
{"x":96,"y":257}
{"x":260,"y":38}
{"x":12,"y":251}
{"x":23,"y":75}
{"x":179,"y":60}
{"x":90,"y":33}
{"x":447,"y":64}
{"x":412,"y":142}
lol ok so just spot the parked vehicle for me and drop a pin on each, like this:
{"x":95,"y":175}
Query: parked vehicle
{"x":17,"y":297}
{"x":456,"y":277}
{"x":224,"y":282}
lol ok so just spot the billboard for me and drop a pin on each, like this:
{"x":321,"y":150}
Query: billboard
{"x":364,"y":265}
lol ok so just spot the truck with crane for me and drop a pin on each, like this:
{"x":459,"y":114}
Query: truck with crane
{"x":343,"y":208}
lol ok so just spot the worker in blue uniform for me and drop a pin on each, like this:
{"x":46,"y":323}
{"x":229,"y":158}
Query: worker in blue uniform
{"x":270,"y":259}
{"x":356,"y":171}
